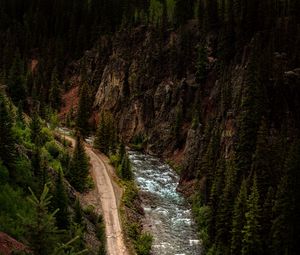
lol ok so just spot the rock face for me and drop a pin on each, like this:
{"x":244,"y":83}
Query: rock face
{"x":141,"y":86}
{"x":148,"y":82}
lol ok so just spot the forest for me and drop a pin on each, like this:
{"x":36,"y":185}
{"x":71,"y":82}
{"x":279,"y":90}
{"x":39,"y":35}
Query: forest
{"x":213,"y":81}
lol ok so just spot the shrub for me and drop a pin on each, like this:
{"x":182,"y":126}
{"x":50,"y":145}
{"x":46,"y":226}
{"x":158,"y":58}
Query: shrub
{"x":53,"y":148}
{"x":143,"y":244}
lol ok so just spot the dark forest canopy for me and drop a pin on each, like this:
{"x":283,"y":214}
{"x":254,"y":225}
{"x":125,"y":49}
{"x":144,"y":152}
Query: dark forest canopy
{"x":250,"y":202}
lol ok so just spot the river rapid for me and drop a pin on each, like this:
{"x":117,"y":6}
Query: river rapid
{"x":167,"y":214}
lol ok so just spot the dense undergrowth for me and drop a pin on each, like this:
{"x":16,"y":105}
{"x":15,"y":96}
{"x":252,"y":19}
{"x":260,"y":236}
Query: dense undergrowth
{"x":37,"y":204}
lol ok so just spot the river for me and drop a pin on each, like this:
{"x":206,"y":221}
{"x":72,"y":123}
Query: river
{"x":167,"y":214}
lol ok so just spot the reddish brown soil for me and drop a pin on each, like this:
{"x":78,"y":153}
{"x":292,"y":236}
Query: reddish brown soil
{"x":9,"y":244}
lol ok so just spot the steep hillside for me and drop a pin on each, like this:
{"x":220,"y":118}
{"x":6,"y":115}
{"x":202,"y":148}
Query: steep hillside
{"x":219,"y":121}
{"x":211,"y":86}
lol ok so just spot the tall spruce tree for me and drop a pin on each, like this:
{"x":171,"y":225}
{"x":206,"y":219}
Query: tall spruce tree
{"x":79,"y":167}
{"x":7,"y":143}
{"x":60,"y":201}
{"x":35,"y":129}
{"x":252,"y":243}
{"x":84,"y":110}
{"x":239,"y":219}
{"x":55,"y":92}
{"x":285,"y":227}
{"x":41,"y":230}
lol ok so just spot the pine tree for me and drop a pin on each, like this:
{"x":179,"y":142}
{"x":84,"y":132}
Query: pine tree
{"x":7,"y":143}
{"x":78,"y":216}
{"x":79,"y":167}
{"x":252,"y":243}
{"x":55,"y":92}
{"x":16,"y":80}
{"x":35,"y":129}
{"x":106,"y":135}
{"x":61,"y":202}
{"x":101,"y":235}
{"x":248,"y":122}
{"x":20,"y":120}
{"x":201,"y":65}
{"x":126,"y":171}
{"x":267,"y":217}
{"x":102,"y":136}
{"x":225,"y":209}
{"x":39,"y":170}
{"x":183,"y":11}
{"x":239,"y":219}
{"x":261,"y":161}
{"x":285,"y":226}
{"x":42,"y":232}
{"x":84,"y":110}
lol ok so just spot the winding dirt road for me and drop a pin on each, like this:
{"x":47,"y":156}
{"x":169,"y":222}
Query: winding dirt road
{"x":100,"y":170}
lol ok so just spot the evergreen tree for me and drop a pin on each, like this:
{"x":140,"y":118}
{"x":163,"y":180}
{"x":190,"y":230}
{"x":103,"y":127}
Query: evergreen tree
{"x":61,"y":202}
{"x":106,"y":135}
{"x":252,"y":243}
{"x":16,"y":80}
{"x":225,"y":209}
{"x":55,"y":92}
{"x":79,"y":167}
{"x":42,"y":232}
{"x":248,"y":122}
{"x":35,"y":129}
{"x":126,"y":171}
{"x":84,"y":110}
{"x":20,"y":115}
{"x":262,"y":161}
{"x":240,"y":209}
{"x":285,"y":226}
{"x":78,"y":215}
{"x":201,"y":65}
{"x":39,"y":170}
{"x":183,"y":11}
{"x":7,"y":146}
{"x":267,"y":217}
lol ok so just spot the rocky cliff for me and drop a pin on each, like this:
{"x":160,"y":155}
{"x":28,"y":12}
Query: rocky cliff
{"x":148,"y":80}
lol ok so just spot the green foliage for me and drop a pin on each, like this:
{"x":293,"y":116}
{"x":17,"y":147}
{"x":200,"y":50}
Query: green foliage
{"x":16,"y":80}
{"x":286,"y":210}
{"x":100,"y":229}
{"x":55,"y":93}
{"x":35,"y":127}
{"x":60,"y":201}
{"x":201,"y":65}
{"x":143,"y":244}
{"x":4,"y":174}
{"x":79,"y":167}
{"x":24,"y":174}
{"x":138,"y":142}
{"x":53,"y":148}
{"x":54,"y":120}
{"x":252,"y":243}
{"x":203,"y":216}
{"x":155,"y":12}
{"x":239,"y":219}
{"x":13,"y":204}
{"x":41,"y":228}
{"x":124,"y":170}
{"x":106,"y":135}
{"x":78,"y":215}
{"x":7,"y":146}
{"x":130,"y":194}
{"x":84,"y":110}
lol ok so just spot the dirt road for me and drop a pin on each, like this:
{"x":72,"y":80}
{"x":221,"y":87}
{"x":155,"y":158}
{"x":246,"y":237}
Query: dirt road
{"x":104,"y":184}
